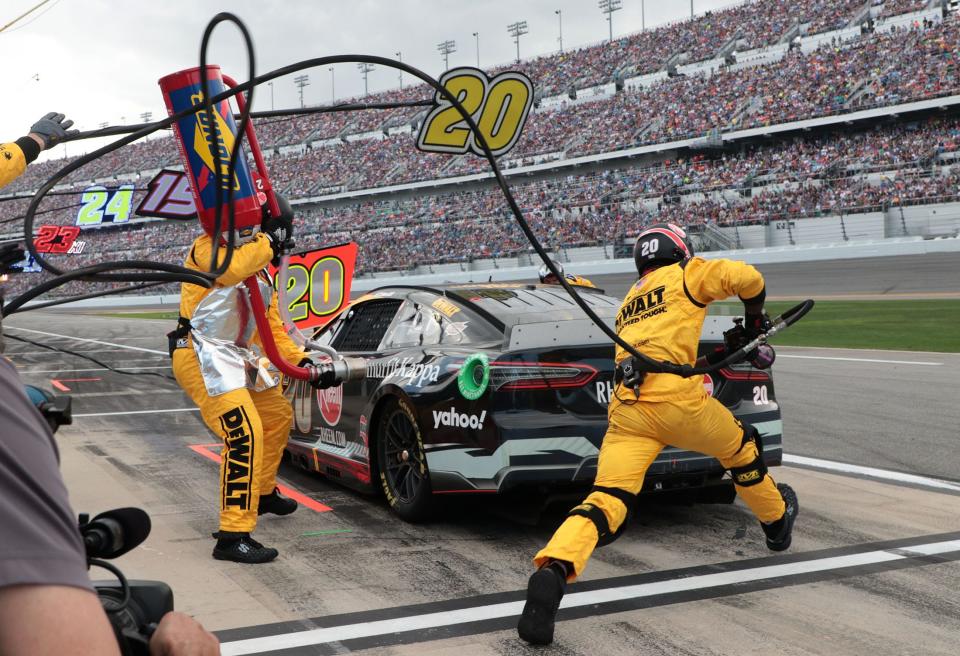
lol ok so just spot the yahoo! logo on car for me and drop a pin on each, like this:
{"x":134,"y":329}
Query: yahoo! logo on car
{"x":455,"y":419}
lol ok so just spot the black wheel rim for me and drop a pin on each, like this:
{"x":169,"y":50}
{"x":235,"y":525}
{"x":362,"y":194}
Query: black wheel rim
{"x":404,"y":462}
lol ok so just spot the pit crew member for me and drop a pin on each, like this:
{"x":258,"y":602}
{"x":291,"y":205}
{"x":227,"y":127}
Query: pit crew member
{"x":662,"y":317}
{"x":216,"y":360}
{"x":547,"y":277}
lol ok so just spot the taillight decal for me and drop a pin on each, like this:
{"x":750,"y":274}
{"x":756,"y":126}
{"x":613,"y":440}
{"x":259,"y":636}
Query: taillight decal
{"x":540,"y":375}
{"x":731,"y":374}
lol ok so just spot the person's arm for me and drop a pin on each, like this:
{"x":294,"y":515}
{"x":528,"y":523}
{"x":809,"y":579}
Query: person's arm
{"x":14,"y":158}
{"x":247,"y":259}
{"x":289,"y":351}
{"x":45,"y":133}
{"x":54,"y":620}
{"x":707,"y":281}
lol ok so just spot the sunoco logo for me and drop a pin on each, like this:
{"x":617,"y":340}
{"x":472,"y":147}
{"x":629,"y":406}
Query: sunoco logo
{"x":204,"y":137}
{"x":455,"y":419}
{"x":330,"y":401}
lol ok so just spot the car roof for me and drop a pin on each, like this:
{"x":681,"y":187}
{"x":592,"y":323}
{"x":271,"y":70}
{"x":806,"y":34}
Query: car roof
{"x":509,"y":304}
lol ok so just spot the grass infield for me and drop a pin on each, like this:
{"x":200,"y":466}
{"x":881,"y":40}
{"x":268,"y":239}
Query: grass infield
{"x":911,"y":325}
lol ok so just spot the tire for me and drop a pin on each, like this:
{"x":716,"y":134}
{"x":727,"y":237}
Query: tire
{"x":402,"y":461}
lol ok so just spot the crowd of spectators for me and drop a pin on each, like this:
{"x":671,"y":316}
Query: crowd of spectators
{"x":840,"y":172}
{"x":883,"y":68}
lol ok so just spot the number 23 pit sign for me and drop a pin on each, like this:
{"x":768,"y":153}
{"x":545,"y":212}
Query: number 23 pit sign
{"x":318,"y":283}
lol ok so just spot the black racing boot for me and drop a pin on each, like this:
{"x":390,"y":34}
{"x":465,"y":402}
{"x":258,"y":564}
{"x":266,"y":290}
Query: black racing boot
{"x":241,"y":548}
{"x":780,"y":533}
{"x":276,"y":504}
{"x":544,"y":592}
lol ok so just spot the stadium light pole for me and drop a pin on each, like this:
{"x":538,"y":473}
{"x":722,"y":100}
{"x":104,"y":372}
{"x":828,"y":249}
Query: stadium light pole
{"x":301,"y":81}
{"x":691,"y":8}
{"x":643,"y":15}
{"x":608,"y":7}
{"x":365,"y":69}
{"x":146,"y":116}
{"x":445,"y":48}
{"x":476,"y":37}
{"x":559,"y":13}
{"x":516,"y":30}
{"x":333,"y":91}
{"x":270,"y":84}
{"x":400,"y":73}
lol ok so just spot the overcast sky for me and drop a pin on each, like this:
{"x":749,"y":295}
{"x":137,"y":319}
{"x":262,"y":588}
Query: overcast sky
{"x":99,"y":60}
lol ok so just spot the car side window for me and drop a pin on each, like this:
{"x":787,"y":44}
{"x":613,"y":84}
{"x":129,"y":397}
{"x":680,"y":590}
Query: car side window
{"x":407,"y":329}
{"x":419,"y":324}
{"x":363,"y":327}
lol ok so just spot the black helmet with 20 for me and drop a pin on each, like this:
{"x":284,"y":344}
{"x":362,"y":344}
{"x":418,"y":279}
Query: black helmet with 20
{"x":661,"y":244}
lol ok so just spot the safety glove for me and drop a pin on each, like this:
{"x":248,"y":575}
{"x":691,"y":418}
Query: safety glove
{"x":52,"y":129}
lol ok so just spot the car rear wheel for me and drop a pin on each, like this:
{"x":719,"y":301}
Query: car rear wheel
{"x":404,"y":476}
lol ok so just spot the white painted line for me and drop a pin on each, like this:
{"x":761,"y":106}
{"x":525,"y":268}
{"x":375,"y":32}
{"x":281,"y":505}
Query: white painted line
{"x":824,"y":357}
{"x":859,"y":350}
{"x":871,"y":472}
{"x":69,"y":370}
{"x":53,"y":351}
{"x":135,"y":412}
{"x":84,"y":339}
{"x":511,"y":609}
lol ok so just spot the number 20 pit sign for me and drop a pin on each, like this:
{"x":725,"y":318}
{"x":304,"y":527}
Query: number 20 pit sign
{"x":318,"y":283}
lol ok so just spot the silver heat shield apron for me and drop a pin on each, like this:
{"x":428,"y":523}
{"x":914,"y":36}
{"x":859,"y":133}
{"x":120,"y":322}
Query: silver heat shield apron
{"x":222,"y":327}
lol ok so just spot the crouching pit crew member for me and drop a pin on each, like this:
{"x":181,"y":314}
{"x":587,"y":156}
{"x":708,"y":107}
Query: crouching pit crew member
{"x":217,"y":361}
{"x":547,"y":277}
{"x":662,"y":317}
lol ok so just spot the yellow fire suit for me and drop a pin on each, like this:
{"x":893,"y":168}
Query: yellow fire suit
{"x":254,"y":426}
{"x":14,"y":158}
{"x":662,"y":317}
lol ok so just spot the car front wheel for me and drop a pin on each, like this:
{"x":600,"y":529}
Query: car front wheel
{"x":404,"y":476}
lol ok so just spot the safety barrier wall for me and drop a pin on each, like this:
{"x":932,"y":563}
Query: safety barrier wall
{"x":799,"y":253}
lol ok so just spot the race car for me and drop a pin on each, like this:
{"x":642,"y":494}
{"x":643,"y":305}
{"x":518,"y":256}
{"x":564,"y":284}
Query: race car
{"x":411,"y":430}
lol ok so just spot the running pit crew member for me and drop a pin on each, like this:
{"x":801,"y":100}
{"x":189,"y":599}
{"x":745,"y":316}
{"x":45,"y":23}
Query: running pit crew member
{"x":662,"y":317}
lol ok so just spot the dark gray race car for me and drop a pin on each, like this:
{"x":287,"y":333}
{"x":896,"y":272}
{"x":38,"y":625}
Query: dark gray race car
{"x":407,"y":429}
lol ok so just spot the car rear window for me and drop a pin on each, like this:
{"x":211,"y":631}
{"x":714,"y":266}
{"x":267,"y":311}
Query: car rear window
{"x":520,"y":303}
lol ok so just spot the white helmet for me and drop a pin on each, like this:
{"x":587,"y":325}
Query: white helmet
{"x":545,"y":271}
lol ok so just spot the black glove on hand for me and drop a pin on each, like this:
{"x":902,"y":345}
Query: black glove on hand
{"x":755,"y":324}
{"x":52,"y":129}
{"x":10,"y":254}
{"x":280,"y":232}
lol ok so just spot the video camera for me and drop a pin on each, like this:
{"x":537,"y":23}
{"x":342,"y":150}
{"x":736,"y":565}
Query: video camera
{"x":134,"y":607}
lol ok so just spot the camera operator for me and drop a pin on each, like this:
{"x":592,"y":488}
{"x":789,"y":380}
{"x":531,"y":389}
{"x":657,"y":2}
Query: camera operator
{"x":47,"y":604}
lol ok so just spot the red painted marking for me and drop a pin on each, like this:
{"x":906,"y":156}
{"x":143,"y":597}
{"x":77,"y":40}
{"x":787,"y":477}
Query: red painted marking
{"x":299,"y":497}
{"x":59,"y":382}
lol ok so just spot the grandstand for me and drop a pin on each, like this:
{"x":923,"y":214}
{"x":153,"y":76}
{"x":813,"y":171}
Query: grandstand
{"x":729,"y":123}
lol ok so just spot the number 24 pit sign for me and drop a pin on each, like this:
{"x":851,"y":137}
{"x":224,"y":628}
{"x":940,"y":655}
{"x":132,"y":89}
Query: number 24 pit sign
{"x":318,"y":283}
